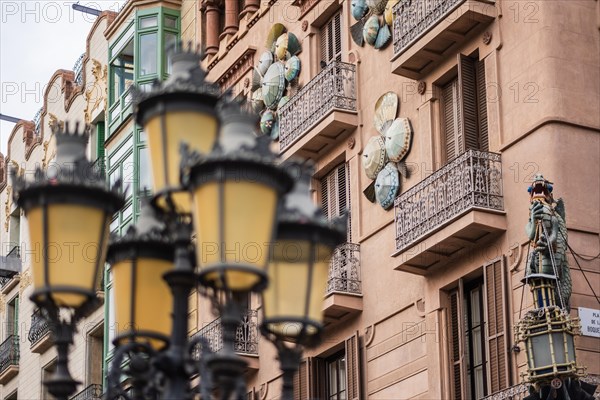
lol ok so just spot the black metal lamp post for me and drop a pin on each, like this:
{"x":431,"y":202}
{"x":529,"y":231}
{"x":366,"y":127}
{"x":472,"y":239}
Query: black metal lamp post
{"x":69,"y":255}
{"x":232,"y":194}
{"x":297,"y":276}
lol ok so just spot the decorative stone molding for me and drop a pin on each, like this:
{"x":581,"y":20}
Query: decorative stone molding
{"x":304,"y":6}
{"x":238,"y":69}
{"x":2,"y":303}
{"x":97,"y":91}
{"x":30,"y":138}
{"x":7,"y":208}
{"x":2,"y":172}
{"x":369,"y":335}
{"x":26,"y":280}
{"x":262,"y":392}
{"x":55,"y":123}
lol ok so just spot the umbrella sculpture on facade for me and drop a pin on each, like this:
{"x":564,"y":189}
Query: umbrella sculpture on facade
{"x":374,"y":20}
{"x":548,"y":330}
{"x":384,"y":154}
{"x":274,"y":76}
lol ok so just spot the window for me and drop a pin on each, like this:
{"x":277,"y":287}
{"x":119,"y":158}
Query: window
{"x":478,"y":347}
{"x":334,"y":377}
{"x":14,"y":233}
{"x":464,"y":112}
{"x":121,"y":72}
{"x":12,"y":318}
{"x":47,"y":372}
{"x":335,"y":194}
{"x":95,"y":348}
{"x":331,"y":40}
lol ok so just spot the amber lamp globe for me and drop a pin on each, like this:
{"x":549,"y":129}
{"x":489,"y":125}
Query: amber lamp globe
{"x":299,"y":268}
{"x":180,"y":110}
{"x":143,"y":301}
{"x":68,"y":209}
{"x":236,"y":191}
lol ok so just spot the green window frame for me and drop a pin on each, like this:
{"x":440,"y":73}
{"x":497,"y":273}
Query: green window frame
{"x":148,"y":42}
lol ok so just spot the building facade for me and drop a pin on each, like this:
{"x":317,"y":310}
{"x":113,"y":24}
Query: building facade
{"x":422,"y":300}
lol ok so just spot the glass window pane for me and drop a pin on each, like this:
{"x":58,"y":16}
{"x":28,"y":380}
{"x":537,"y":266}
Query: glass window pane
{"x":477,"y":350}
{"x":332,"y":378}
{"x":148,"y":53}
{"x":128,"y":211}
{"x":170,"y":22}
{"x":114,"y":225}
{"x":479,"y":390}
{"x":170,"y":46}
{"x":342,"y":376}
{"x":149,"y":22}
{"x":144,"y":170}
{"x":475,"y":309}
{"x":128,"y":174}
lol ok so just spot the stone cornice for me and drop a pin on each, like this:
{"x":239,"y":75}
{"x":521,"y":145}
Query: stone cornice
{"x":238,"y":69}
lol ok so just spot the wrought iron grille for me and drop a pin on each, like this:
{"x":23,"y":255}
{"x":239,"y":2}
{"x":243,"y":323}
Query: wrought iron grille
{"x":473,"y":180}
{"x":334,"y":88}
{"x":344,"y":269}
{"x":4,"y":280}
{"x":414,"y":18}
{"x":40,"y":326}
{"x":78,"y":70}
{"x":9,"y":352}
{"x":37,"y":120}
{"x":92,"y":392}
{"x":246,"y":335}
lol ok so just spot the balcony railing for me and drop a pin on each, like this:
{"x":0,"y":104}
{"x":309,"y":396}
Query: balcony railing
{"x":344,"y":270}
{"x":246,"y":336}
{"x":9,"y":353}
{"x":471,"y":181}
{"x":40,"y":326}
{"x":92,"y":392}
{"x":521,"y":390}
{"x":334,"y":88}
{"x":413,"y":18}
{"x":78,"y":70}
{"x":15,"y":252}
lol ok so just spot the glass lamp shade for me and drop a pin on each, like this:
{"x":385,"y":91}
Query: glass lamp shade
{"x":298,"y":273}
{"x":69,"y":242}
{"x":143,"y":301}
{"x":168,"y":126}
{"x":293,"y":301}
{"x":235,"y":207}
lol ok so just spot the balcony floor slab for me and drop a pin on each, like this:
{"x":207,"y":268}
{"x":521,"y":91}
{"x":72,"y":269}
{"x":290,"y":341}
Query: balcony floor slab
{"x":465,"y":232}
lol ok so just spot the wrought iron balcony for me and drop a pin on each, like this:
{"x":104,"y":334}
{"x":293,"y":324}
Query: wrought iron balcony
{"x":344,"y":270}
{"x":471,"y":182}
{"x":15,"y":252}
{"x":332,"y":91}
{"x":10,"y":265}
{"x":427,"y":30}
{"x":92,"y":392}
{"x":521,"y":390}
{"x":246,"y":336}
{"x":40,"y":327}
{"x":9,"y":358}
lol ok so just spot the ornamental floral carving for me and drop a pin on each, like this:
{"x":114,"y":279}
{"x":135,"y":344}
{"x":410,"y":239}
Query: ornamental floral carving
{"x":96,"y":94}
{"x":26,"y":280}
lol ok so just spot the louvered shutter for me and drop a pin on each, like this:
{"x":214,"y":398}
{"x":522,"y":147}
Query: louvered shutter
{"x":456,"y":343}
{"x":302,"y":381}
{"x":335,"y":194}
{"x":353,"y":373}
{"x":495,"y":306}
{"x":468,"y":102}
{"x":331,"y":39}
{"x":318,"y":387}
{"x":482,"y":117}
{"x":451,"y":118}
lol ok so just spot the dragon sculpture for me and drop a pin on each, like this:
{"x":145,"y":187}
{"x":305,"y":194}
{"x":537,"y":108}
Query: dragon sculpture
{"x":547,"y":231}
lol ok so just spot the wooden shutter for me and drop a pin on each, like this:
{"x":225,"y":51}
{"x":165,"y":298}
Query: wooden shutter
{"x":353,"y":373}
{"x":456,"y":344}
{"x":331,"y":39}
{"x":335,"y":193}
{"x":451,"y":119}
{"x":318,"y":386}
{"x":468,"y":104}
{"x":482,"y":117}
{"x":495,"y":306}
{"x":302,"y":381}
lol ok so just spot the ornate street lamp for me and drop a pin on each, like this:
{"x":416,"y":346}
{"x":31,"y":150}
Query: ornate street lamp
{"x":180,"y":110}
{"x":298,"y":273}
{"x":69,"y":255}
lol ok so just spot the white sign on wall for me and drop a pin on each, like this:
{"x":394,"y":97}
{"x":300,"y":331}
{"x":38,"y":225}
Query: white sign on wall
{"x":590,"y":322}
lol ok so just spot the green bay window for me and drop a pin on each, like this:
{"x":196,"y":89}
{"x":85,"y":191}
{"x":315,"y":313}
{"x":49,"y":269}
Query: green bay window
{"x":140,"y":55}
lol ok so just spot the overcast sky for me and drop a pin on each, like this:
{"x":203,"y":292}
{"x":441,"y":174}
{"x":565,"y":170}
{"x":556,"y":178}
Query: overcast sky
{"x":36,"y":39}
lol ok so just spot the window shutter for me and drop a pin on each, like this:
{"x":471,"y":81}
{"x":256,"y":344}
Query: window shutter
{"x":318,"y":387}
{"x":482,"y":117}
{"x":456,"y":343}
{"x":451,"y":118}
{"x":302,"y":381}
{"x":353,"y":381}
{"x":331,"y":39}
{"x":495,"y":307}
{"x":325,"y":197}
{"x":468,"y":103}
